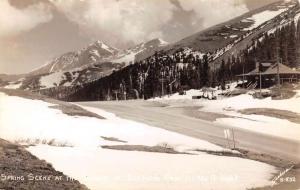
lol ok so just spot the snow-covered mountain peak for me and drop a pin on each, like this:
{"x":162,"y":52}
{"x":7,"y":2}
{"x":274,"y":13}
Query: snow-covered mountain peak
{"x":163,"y":42}
{"x":156,"y":42}
{"x":100,"y":45}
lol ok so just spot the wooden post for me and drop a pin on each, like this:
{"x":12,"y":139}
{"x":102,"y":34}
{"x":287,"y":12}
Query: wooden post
{"x":228,"y":142}
{"x":260,"y":83}
{"x":243,"y":75}
{"x":227,"y":134}
{"x":233,"y":138}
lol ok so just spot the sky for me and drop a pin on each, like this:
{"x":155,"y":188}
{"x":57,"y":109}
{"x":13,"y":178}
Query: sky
{"x":33,"y":32}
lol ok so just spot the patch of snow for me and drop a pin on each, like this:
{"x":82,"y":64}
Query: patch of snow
{"x":93,"y":59}
{"x":263,"y":124}
{"x":52,"y":67}
{"x":272,"y":31}
{"x":13,"y":85}
{"x":128,"y":58}
{"x":296,"y":19}
{"x":247,"y":101}
{"x":105,"y":46}
{"x":263,"y":17}
{"x":51,"y":80}
{"x":95,"y":52}
{"x":162,"y":42}
{"x":188,"y":96}
{"x":42,"y":66}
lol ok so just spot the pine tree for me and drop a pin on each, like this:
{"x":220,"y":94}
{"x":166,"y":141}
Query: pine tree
{"x":291,"y":48}
{"x":205,"y":71}
{"x":221,"y":74}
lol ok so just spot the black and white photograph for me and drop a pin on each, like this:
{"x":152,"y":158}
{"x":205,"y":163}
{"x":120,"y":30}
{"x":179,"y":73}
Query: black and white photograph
{"x":149,"y":94}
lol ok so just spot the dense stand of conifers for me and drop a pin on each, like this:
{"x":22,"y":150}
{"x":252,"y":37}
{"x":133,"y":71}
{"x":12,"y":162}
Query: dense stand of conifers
{"x":165,"y":73}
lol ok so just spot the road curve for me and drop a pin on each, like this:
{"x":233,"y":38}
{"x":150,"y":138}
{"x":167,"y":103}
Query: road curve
{"x":175,"y":119}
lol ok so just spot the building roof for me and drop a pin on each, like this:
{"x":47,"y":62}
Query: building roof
{"x":266,"y":64}
{"x":272,"y":70}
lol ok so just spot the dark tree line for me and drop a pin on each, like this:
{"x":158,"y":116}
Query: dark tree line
{"x":158,"y":75}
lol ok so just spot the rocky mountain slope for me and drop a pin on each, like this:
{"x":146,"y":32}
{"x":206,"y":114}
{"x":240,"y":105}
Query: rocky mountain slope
{"x":89,"y":64}
{"x":230,"y":37}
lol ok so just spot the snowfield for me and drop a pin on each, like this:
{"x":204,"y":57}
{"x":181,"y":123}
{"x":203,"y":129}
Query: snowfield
{"x":13,"y":85}
{"x":52,"y":79}
{"x":262,"y":17}
{"x":83,"y":157}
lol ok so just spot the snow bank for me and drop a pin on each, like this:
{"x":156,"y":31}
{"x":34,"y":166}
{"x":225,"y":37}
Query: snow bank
{"x":188,"y":96}
{"x":13,"y":85}
{"x":128,"y":58}
{"x":52,"y":79}
{"x":193,"y":92}
{"x":247,"y":101}
{"x":263,"y":17}
{"x":100,"y":168}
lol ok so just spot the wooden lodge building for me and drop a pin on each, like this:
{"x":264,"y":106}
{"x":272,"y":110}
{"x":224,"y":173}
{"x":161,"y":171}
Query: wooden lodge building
{"x":269,"y":73}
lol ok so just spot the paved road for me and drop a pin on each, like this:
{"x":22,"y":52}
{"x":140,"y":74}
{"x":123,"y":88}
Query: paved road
{"x":176,"y":119}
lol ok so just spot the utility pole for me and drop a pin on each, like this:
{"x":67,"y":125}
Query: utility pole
{"x":233,"y":138}
{"x":278,"y":61}
{"x":162,"y":80}
{"x":243,"y":74}
{"x":116,"y":93}
{"x":278,"y":75}
{"x":259,"y":70}
{"x":260,"y":83}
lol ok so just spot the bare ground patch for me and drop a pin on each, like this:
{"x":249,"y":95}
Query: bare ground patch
{"x":65,"y":107}
{"x":286,"y":91}
{"x":208,"y":116}
{"x":33,"y":142}
{"x":281,"y":114}
{"x":221,"y":153}
{"x":143,"y":148}
{"x":18,"y":167}
{"x":113,"y":139}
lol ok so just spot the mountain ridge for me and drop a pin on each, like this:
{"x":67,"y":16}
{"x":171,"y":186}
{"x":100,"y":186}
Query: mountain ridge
{"x":221,"y":42}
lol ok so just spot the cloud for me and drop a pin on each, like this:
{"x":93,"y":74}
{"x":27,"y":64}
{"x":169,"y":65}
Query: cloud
{"x":214,"y":11}
{"x":129,"y":20}
{"x":140,"y":20}
{"x":14,"y":21}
